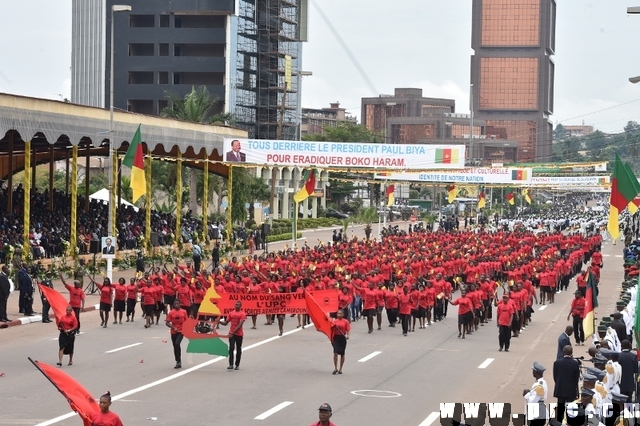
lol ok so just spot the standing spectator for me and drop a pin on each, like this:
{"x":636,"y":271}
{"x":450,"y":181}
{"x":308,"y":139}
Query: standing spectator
{"x":45,"y":303}
{"x":236,"y":319}
{"x":566,"y":374}
{"x":564,"y":340}
{"x":5,"y":291}
{"x":215,"y":256}
{"x":25,"y":285}
{"x":197,"y":256}
{"x":140,"y":263}
{"x":629,"y":363}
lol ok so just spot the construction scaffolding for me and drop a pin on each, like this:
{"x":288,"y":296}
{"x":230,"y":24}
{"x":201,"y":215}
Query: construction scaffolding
{"x":268,"y":67}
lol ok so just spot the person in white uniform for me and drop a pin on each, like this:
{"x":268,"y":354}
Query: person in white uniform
{"x":537,"y":395}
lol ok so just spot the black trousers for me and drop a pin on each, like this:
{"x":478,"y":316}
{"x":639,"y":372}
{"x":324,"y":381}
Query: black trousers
{"x":3,"y":306}
{"x":561,"y":408}
{"x":235,"y":345}
{"x":45,"y":309}
{"x":77,"y":312}
{"x":392,"y":316}
{"x":438,"y":310}
{"x":176,"y":339}
{"x":27,"y":303}
{"x":504,"y":336}
{"x":197,"y":260}
{"x":405,"y":323}
{"x":21,"y":300}
{"x":578,"y":331}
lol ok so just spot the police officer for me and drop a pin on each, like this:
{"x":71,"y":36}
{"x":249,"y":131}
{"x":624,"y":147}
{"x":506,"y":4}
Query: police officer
{"x":537,"y":395}
{"x":45,"y":303}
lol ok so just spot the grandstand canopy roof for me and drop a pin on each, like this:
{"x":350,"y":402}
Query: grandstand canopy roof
{"x":53,"y":127}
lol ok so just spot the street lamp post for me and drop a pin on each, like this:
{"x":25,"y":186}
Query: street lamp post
{"x":111,"y":220}
{"x":471,"y":122}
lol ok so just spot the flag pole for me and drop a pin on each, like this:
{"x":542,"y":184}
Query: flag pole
{"x":48,"y":378}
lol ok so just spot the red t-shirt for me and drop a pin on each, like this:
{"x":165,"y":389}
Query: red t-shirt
{"x":105,"y":419}
{"x":577,"y":307}
{"x":234,"y":318}
{"x":177,"y":317}
{"x":369,"y":297}
{"x":341,"y":327}
{"x":132,"y":291}
{"x":504,"y":312}
{"x":120,"y":292}
{"x":464,"y":305}
{"x":148,"y":295}
{"x":184,"y":295}
{"x":344,"y":300}
{"x":76,"y":296}
{"x":68,"y":322}
{"x":105,"y":293}
{"x":405,"y":304}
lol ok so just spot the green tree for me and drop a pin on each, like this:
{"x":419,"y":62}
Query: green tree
{"x":341,"y":185}
{"x":595,"y":143}
{"x":632,"y":139}
{"x":559,"y":133}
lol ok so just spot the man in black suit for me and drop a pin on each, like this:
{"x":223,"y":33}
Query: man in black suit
{"x":108,"y":248}
{"x":618,"y":325}
{"x":629,"y":362}
{"x":564,"y":340}
{"x":566,"y":374}
{"x":5,"y":291}
{"x":235,"y":156}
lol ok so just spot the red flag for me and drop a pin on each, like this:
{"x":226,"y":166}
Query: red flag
{"x":56,"y":300}
{"x":319,"y":317}
{"x":78,"y":397}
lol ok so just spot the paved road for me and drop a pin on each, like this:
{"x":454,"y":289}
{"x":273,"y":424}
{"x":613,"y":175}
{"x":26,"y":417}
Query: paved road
{"x":292,"y":372}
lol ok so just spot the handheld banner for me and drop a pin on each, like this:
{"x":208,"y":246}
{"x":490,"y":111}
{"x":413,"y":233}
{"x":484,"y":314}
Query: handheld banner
{"x":276,"y":303}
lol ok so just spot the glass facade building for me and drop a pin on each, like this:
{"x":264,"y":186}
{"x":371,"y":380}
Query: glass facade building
{"x":512,"y":74}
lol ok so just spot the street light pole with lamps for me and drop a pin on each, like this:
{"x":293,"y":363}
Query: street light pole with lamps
{"x":111,"y":231}
{"x":471,"y":122}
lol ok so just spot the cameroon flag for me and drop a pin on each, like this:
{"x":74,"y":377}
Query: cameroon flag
{"x":511,"y":196}
{"x":623,"y":190}
{"x":481,"y":199}
{"x":525,"y":194}
{"x":451,"y":193}
{"x":447,"y":156}
{"x":633,"y":204}
{"x":591,"y":302}
{"x":309,"y":178}
{"x":134,"y":159}
{"x":390,"y":193}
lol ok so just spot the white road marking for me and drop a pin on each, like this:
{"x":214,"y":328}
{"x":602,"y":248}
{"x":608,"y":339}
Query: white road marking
{"x":606,"y":255}
{"x":430,"y":419}
{"x":618,"y":255}
{"x":542,"y":308}
{"x":368,"y":357}
{"x":486,"y":363}
{"x":168,"y":378}
{"x":273,"y":410}
{"x":371,"y":393}
{"x":124,"y":347}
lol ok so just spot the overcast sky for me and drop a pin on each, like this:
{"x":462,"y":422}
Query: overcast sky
{"x":401,"y":43}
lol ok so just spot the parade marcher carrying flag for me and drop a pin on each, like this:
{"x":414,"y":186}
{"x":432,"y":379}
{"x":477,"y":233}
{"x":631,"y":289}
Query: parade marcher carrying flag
{"x":56,"y":300}
{"x":80,"y":400}
{"x":591,"y":302}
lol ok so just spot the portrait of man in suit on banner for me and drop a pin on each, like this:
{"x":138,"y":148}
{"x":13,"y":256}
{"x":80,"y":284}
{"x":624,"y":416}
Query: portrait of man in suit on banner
{"x":108,"y":248}
{"x":235,"y":156}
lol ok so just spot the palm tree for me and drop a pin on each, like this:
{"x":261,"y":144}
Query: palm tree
{"x":367,"y":216}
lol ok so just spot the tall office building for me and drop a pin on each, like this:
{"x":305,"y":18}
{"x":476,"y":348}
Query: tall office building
{"x":241,"y":50}
{"x":512,"y":74}
{"x":269,"y":49}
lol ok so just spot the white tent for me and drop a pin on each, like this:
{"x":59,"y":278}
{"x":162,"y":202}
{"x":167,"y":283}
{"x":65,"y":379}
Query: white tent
{"x":103,"y":195}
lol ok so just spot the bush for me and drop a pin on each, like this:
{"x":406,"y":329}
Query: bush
{"x":249,"y":224}
{"x":281,"y":237}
